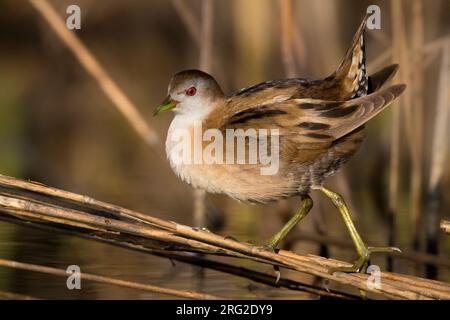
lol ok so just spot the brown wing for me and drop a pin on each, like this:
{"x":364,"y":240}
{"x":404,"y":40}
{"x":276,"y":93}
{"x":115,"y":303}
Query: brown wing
{"x":308,"y":128}
{"x":266,"y":92}
{"x":314,"y":119}
{"x":379,"y":78}
{"x":344,"y":117}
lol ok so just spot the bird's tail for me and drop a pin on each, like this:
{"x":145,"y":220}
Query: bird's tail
{"x":379,"y":78}
{"x":351,"y":73}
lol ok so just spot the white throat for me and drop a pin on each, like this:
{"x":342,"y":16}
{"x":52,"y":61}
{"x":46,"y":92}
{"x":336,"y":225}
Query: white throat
{"x":186,"y":115}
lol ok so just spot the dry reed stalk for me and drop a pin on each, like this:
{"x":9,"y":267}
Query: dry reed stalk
{"x":394,"y":159}
{"x":85,"y":201}
{"x":95,"y":69}
{"x":395,"y":131}
{"x":287,"y":38}
{"x":108,"y":280}
{"x":199,"y":216}
{"x":416,"y":113}
{"x":438,"y":154}
{"x":185,"y":238}
{"x":401,"y":56}
{"x":188,"y":18}
{"x":441,"y":131}
{"x":328,"y":13}
{"x":439,"y":148}
{"x":206,"y":43}
{"x":300,"y":48}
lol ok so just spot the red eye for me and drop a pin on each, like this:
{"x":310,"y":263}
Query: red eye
{"x":191,"y":91}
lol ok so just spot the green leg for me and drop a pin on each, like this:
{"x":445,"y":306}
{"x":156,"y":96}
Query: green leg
{"x":305,"y":205}
{"x":362,"y":250}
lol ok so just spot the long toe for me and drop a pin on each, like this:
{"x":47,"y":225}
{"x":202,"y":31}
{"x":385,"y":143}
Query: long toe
{"x":361,"y":264}
{"x":384,"y":249}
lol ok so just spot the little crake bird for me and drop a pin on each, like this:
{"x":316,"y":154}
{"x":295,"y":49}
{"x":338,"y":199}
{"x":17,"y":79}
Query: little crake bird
{"x":320,"y":123}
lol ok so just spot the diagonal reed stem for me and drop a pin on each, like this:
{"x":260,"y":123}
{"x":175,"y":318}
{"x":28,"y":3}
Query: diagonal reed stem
{"x":96,"y":70}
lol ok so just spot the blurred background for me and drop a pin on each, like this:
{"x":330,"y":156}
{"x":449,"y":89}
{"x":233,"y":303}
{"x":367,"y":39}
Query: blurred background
{"x":58,"y":127}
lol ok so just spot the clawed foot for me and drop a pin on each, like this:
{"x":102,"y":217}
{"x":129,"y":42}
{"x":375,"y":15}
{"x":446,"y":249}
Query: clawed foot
{"x":361,"y":264}
{"x":272,"y":244}
{"x":276,"y":269}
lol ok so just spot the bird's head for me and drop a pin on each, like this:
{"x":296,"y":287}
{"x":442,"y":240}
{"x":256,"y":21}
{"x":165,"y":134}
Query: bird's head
{"x":191,"y":92}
